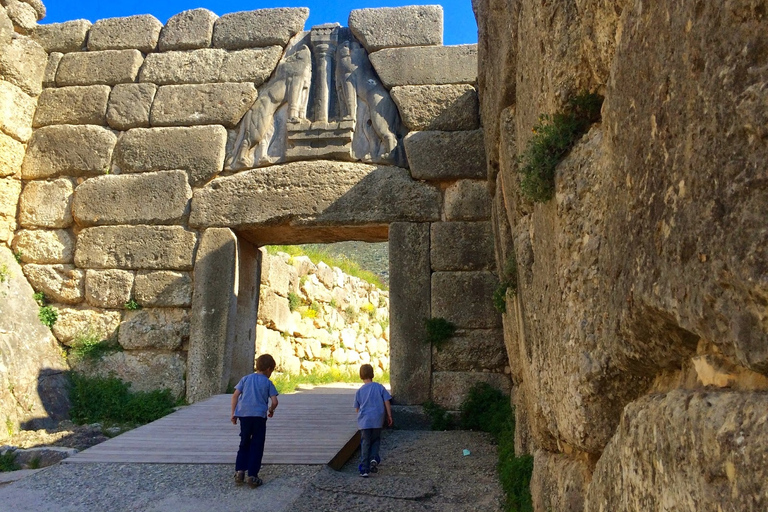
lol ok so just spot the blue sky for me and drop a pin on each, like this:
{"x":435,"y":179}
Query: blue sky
{"x":459,"y":21}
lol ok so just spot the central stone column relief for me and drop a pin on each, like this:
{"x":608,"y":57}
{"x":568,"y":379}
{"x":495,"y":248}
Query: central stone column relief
{"x":352,"y":116}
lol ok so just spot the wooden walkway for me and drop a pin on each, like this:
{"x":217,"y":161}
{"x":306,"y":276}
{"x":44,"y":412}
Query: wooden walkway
{"x":315,"y":426}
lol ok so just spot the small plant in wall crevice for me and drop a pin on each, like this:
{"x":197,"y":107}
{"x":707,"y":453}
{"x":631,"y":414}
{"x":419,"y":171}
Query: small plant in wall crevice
{"x":439,"y":331}
{"x":508,"y":282}
{"x":47,"y":314}
{"x":132,"y":305}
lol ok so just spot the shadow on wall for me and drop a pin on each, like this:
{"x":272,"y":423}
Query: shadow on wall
{"x":52,"y":388}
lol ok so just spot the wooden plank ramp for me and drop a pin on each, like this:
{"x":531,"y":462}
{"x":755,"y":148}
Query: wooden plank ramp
{"x":315,"y":426}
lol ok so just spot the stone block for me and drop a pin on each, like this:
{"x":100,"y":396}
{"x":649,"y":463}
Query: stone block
{"x":39,"y":8}
{"x":71,"y":150}
{"x":72,"y":105}
{"x":46,"y":204}
{"x":275,"y":313}
{"x":426,"y":65}
{"x":11,"y":156}
{"x":393,"y":27}
{"x":17,"y":110}
{"x":462,"y":246}
{"x":154,"y":328}
{"x":22,"y":63}
{"x":467,"y":200}
{"x":197,"y":149}
{"x":23,"y":15}
{"x":464,"y":298}
{"x":108,"y":288}
{"x":108,"y":67}
{"x":163,"y":288}
{"x":139,"y":32}
{"x":64,"y":284}
{"x":75,"y":323}
{"x":146,"y":370}
{"x":262,"y":27}
{"x":450,"y":389}
{"x":186,"y":105}
{"x":448,"y":107}
{"x":559,"y":482}
{"x":10,"y":188}
{"x":6,"y":29}
{"x":323,"y":192}
{"x":62,"y":37}
{"x":147,"y":198}
{"x":45,"y":246}
{"x":136,"y":247}
{"x":51,"y":67}
{"x":187,"y":30}
{"x":409,"y":282}
{"x":445,"y":156}
{"x":471,"y":350}
{"x":210,"y":65}
{"x":129,"y":106}
{"x":42,"y":456}
{"x":277,"y":275}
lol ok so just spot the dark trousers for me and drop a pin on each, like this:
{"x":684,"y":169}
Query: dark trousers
{"x":253,"y":431}
{"x":370,"y":439}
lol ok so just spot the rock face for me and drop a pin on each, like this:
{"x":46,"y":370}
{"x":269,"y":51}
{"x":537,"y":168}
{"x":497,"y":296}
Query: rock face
{"x":643,"y":280}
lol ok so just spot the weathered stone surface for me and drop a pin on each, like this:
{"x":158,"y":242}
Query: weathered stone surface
{"x":464,"y":298}
{"x":697,"y":450}
{"x":73,"y":324}
{"x":278,"y":276}
{"x":262,"y":27}
{"x":559,"y":482}
{"x":322,"y":192}
{"x":33,"y":386}
{"x":214,"y":306}
{"x":409,"y":279}
{"x":108,"y":288}
{"x":108,"y":67}
{"x":46,"y":204}
{"x":60,"y":283}
{"x":471,"y":350}
{"x":145,"y":370}
{"x":211,"y":65}
{"x":147,"y":198}
{"x":11,"y":155}
{"x":185,"y":105}
{"x":72,"y":105}
{"x":467,"y":200}
{"x":393,"y":27}
{"x":51,"y":67}
{"x":129,"y":105}
{"x":140,"y":32}
{"x":16,"y":112}
{"x":462,"y":246}
{"x":62,"y":37}
{"x":446,"y":155}
{"x":437,"y":107}
{"x":426,"y":65}
{"x":10,"y":188}
{"x":187,"y":30}
{"x":163,"y":288}
{"x":45,"y":246}
{"x":450,"y":389}
{"x":23,"y":15}
{"x":275,"y":313}
{"x":42,"y":456}
{"x":155,"y":328}
{"x":6,"y":29}
{"x":248,"y":287}
{"x":136,"y":247}
{"x":197,"y":149}
{"x":73,"y":150}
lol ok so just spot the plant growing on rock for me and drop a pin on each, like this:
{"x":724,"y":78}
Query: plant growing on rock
{"x":8,"y":461}
{"x":294,"y":301}
{"x":132,"y":305}
{"x":553,"y":137}
{"x":18,"y":255}
{"x":439,"y":330}
{"x":5,"y":274}
{"x":508,"y":282}
{"x":46,"y":313}
{"x":89,"y":347}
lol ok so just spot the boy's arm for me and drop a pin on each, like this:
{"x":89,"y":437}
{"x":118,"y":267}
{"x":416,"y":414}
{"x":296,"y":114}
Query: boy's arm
{"x":389,"y":412}
{"x":235,"y":396}
{"x":272,"y":407}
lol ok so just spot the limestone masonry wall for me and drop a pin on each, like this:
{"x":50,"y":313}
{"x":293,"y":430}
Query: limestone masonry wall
{"x":638,"y":332}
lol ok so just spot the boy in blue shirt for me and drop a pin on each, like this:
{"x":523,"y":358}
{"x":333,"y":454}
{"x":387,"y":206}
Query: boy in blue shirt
{"x":254,"y":400}
{"x":372,"y":405}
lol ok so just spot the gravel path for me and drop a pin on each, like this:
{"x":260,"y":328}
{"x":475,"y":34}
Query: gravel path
{"x":421,"y":471}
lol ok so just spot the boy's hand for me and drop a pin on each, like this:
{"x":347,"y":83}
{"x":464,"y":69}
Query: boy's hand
{"x":389,"y":421}
{"x":270,"y":413}
{"x":233,"y":419}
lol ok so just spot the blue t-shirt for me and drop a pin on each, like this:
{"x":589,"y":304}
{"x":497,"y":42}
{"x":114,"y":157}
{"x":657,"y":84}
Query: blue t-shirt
{"x":370,"y":400}
{"x":255,"y":390}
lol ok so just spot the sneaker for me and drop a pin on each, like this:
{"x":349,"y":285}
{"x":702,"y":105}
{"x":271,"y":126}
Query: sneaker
{"x":364,"y":474}
{"x":253,"y":481}
{"x":374,"y":466}
{"x":239,"y":477}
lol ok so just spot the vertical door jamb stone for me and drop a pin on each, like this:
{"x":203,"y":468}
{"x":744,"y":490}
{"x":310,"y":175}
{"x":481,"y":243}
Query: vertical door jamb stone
{"x":244,"y":349}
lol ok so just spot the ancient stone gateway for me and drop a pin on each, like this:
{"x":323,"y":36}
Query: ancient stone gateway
{"x":162,"y":157}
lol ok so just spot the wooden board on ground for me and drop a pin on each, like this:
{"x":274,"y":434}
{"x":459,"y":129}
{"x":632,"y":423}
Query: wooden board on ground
{"x":314,"y":426}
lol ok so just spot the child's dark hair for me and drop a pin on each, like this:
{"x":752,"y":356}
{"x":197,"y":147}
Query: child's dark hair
{"x":265,"y":362}
{"x":366,"y":372}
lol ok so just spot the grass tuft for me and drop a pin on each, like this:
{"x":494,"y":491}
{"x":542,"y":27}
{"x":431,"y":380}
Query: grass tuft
{"x":286,"y":383}
{"x":132,"y":305}
{"x":439,"y":331}
{"x":8,"y":461}
{"x":89,"y":347}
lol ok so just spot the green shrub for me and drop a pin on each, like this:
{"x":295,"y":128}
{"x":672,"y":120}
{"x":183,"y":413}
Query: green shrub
{"x":438,"y":416}
{"x":508,"y":281}
{"x":439,"y":330}
{"x":132,"y":305}
{"x":8,"y":461}
{"x":294,"y":301}
{"x":553,"y":137}
{"x":89,"y":347}
{"x":486,"y":409}
{"x":351,"y":313}
{"x":47,"y":315}
{"x":109,"y":400}
{"x":40,"y":298}
{"x":18,"y":255}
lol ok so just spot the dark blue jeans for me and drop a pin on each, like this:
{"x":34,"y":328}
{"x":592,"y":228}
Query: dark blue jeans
{"x":253,"y":431}
{"x":370,"y":439}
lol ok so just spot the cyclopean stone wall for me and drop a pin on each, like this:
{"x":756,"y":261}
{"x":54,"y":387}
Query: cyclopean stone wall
{"x":162,"y":156}
{"x":638,"y":333}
